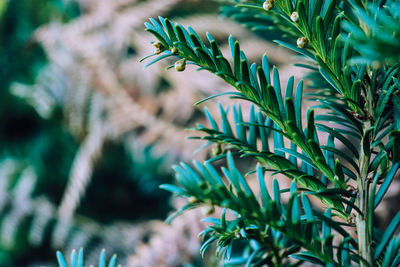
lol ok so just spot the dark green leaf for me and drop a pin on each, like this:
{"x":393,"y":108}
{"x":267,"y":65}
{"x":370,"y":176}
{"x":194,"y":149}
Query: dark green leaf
{"x":387,"y":235}
{"x":386,"y":183}
{"x":340,"y":137}
{"x":307,"y":256}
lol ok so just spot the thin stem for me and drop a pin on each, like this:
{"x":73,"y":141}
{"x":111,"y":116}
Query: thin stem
{"x":362,"y":221}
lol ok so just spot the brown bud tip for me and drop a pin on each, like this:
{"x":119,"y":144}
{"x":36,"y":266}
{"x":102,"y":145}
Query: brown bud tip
{"x":268,"y":5}
{"x":158,"y":45}
{"x":180,"y":65}
{"x":158,"y":51}
{"x":302,"y":42}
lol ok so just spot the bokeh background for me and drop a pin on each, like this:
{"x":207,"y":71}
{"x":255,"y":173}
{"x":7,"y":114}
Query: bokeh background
{"x":87,"y":134}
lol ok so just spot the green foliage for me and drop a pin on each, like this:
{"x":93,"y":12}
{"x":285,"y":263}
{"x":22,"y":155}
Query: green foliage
{"x":358,"y":109}
{"x":77,"y":259}
{"x":41,"y":149}
{"x":24,"y":136}
{"x":30,"y":228}
{"x":378,"y":40}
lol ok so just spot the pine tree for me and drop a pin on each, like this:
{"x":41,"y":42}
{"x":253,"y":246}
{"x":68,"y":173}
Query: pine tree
{"x":351,"y":50}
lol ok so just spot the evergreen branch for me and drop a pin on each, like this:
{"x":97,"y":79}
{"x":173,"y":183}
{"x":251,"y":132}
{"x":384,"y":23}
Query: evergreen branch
{"x":364,"y":98}
{"x":207,"y":187}
{"x":264,"y":91}
{"x":316,"y":27}
{"x":245,"y":140}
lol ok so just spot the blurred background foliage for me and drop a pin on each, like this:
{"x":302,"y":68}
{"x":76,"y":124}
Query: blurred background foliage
{"x":87,"y":135}
{"x":43,"y":149}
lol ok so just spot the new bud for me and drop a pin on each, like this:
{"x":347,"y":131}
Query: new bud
{"x":295,"y":17}
{"x":159,"y":48}
{"x":268,"y":5}
{"x":180,"y":65}
{"x":302,"y":42}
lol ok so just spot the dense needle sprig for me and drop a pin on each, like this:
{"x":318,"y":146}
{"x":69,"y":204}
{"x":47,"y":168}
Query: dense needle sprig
{"x":349,"y":48}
